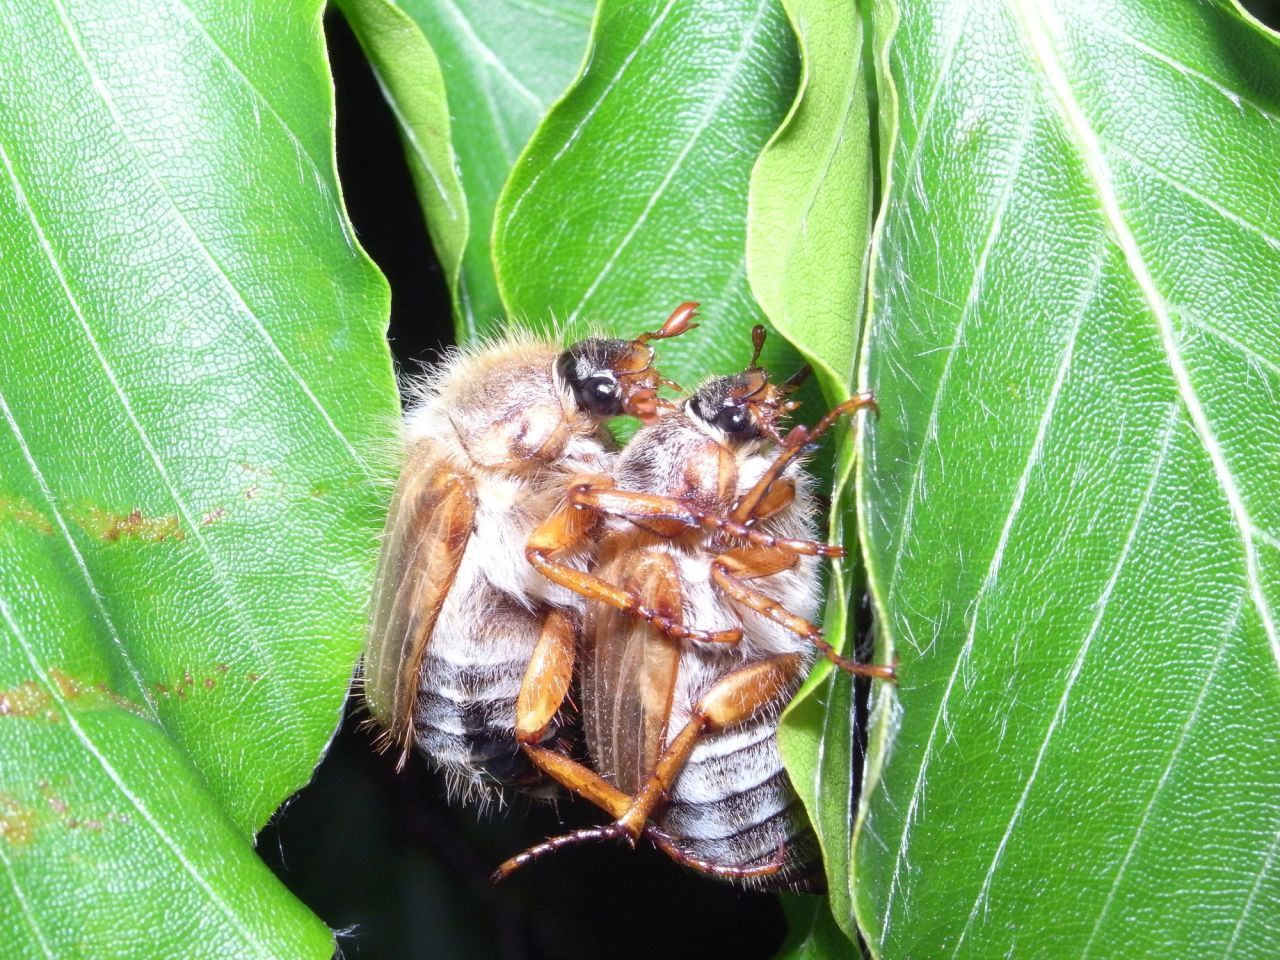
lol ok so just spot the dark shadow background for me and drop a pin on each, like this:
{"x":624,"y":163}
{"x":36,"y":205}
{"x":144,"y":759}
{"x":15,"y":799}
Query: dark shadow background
{"x":381,"y":856}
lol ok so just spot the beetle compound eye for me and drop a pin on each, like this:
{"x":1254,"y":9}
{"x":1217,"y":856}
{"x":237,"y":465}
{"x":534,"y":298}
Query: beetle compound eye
{"x":602,"y":389}
{"x":600,"y":395}
{"x":595,"y":392}
{"x":736,"y":422}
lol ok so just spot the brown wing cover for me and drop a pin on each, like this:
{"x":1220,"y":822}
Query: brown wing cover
{"x":431,"y":519}
{"x":629,"y":671}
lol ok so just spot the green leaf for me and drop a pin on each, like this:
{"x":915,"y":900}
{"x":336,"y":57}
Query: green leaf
{"x":1069,"y":501}
{"x":809,"y":229}
{"x":812,"y":932}
{"x":632,"y":195}
{"x":810,"y":210}
{"x":495,"y":67}
{"x":194,"y":382}
{"x":413,"y":84}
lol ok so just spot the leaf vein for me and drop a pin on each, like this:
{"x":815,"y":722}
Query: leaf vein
{"x":1164,"y":778}
{"x":1100,"y":609}
{"x":27,"y":913}
{"x":703,"y":122}
{"x":1237,"y":99}
{"x":1015,"y":508}
{"x":1253,"y":895}
{"x":261,"y":98}
{"x":118,"y":781}
{"x":1032,"y":19}
{"x":411,"y":137}
{"x":913,"y":803}
{"x":47,"y":492}
{"x":1245,"y":350}
{"x":587,"y":117}
{"x":1215,"y":206}
{"x":488,"y":56}
{"x":242,"y":306}
{"x":957,"y":343}
{"x":219,"y":575}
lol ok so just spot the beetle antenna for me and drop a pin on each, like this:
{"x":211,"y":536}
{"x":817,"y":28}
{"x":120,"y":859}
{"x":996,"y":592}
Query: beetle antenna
{"x":680,"y":321}
{"x":758,"y":335}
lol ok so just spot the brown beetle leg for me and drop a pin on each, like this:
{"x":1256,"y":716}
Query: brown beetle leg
{"x":662,"y":840}
{"x":794,"y":444}
{"x":731,"y":570}
{"x":777,"y":498}
{"x":547,"y":678}
{"x":567,"y":528}
{"x":733,"y":699}
{"x":667,"y":844}
{"x":648,"y":507}
{"x":580,"y":779}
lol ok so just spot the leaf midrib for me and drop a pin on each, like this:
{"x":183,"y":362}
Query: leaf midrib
{"x":1030,"y":18}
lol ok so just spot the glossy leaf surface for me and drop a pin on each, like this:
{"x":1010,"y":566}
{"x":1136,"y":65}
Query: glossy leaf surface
{"x":632,"y":195}
{"x":1069,"y":500}
{"x":410,"y":77}
{"x":193,"y":388}
{"x":467,"y":91}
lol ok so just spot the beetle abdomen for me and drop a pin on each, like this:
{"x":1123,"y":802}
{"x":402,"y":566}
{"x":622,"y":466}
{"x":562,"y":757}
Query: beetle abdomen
{"x":465,"y":722}
{"x":734,"y":806}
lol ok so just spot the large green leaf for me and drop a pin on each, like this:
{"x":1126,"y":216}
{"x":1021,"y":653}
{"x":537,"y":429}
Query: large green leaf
{"x":412,"y":82}
{"x":1069,"y":502}
{"x":809,"y":230}
{"x":632,"y":194}
{"x":494,"y":67}
{"x":193,"y":381}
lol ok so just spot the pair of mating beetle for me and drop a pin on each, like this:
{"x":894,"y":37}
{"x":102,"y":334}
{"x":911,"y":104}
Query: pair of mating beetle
{"x":675,"y":580}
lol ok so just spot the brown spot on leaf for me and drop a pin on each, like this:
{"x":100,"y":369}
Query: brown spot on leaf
{"x":27,"y":699}
{"x":112,"y":527}
{"x":17,"y":823}
{"x":35,"y":701}
{"x":183,"y":688}
{"x":68,"y":686}
{"x":252,"y":492}
{"x":20,"y":510}
{"x":213,"y":516}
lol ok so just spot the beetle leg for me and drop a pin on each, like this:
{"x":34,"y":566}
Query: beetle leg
{"x":777,"y":498}
{"x":731,"y":570}
{"x":547,"y":678}
{"x":662,"y":840}
{"x":733,"y":699}
{"x":793,"y":445}
{"x":579,"y":779}
{"x":591,"y":786}
{"x":648,"y":507}
{"x":566,"y":528}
